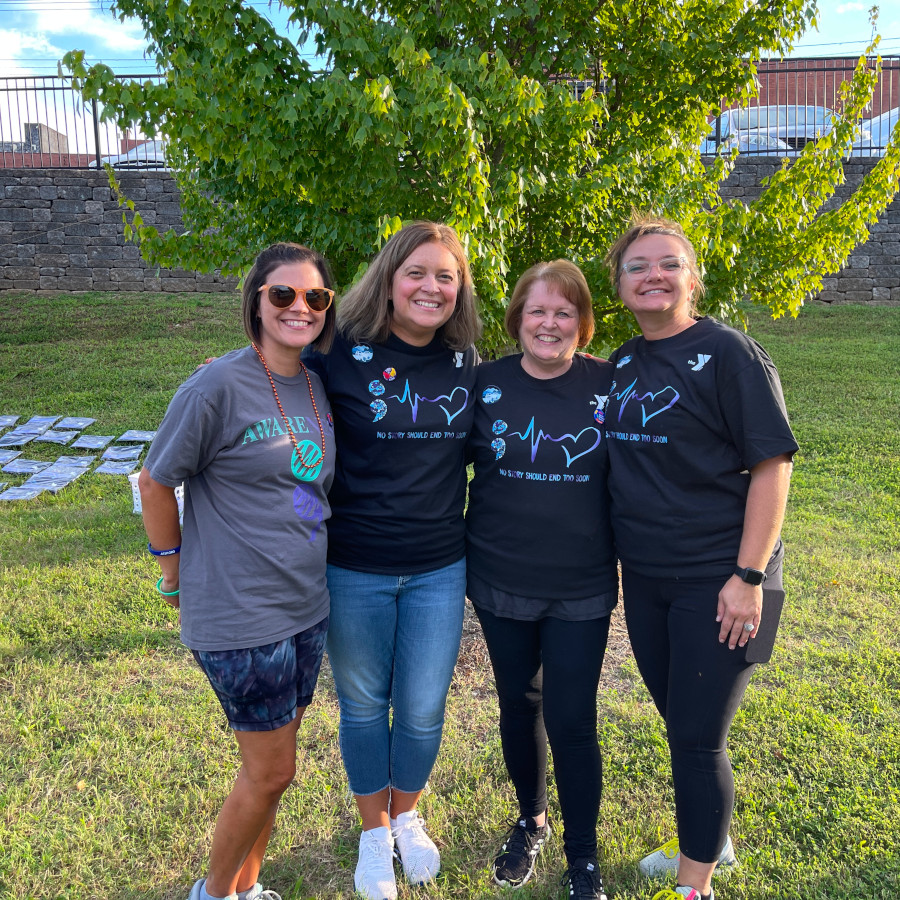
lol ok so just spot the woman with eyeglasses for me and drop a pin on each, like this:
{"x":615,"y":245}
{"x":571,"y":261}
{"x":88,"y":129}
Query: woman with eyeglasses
{"x":700,"y":461}
{"x":251,"y":437}
{"x":400,"y":378}
{"x":541,"y":564}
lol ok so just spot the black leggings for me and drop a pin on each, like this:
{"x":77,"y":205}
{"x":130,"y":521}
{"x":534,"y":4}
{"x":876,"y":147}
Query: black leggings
{"x":697,"y":684}
{"x":547,"y":673}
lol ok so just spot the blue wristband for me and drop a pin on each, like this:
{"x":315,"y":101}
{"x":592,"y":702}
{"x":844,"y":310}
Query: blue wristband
{"x":171,"y":552}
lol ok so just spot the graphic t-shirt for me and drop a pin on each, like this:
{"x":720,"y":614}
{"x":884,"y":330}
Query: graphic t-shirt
{"x":402,"y":416}
{"x":688,"y":417}
{"x":254,"y":544}
{"x":538,"y":518}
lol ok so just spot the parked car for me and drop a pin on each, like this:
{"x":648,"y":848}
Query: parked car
{"x":879,"y":133}
{"x":149,"y":155}
{"x":754,"y":144}
{"x":784,"y":130}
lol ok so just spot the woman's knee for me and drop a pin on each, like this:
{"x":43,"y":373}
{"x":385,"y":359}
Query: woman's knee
{"x":271,"y":779}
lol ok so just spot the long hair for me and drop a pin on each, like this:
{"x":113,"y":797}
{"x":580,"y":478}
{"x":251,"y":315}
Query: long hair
{"x":366,"y":311}
{"x":569,"y":280}
{"x":270,"y":259}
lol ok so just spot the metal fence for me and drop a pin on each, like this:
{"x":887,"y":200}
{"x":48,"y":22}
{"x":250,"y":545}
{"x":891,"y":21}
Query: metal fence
{"x":795,"y":103}
{"x":45,"y":124}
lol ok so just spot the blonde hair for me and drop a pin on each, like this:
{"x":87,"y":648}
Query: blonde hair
{"x":569,"y":280}
{"x":642,"y":225}
{"x":366,"y":311}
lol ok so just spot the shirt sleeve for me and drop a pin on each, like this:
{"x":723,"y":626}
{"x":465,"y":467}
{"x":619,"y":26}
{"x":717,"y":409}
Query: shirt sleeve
{"x":754,"y":411}
{"x":188,"y":438}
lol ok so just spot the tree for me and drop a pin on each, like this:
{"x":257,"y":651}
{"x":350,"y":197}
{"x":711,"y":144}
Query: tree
{"x":463,"y":111}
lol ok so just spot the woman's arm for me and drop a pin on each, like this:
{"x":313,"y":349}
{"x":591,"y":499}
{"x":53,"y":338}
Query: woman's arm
{"x":160,"y":512}
{"x":740,"y":602}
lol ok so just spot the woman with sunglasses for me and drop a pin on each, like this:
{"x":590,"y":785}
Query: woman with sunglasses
{"x":250,"y":435}
{"x":700,"y":461}
{"x":541,"y":565}
{"x":400,"y":379}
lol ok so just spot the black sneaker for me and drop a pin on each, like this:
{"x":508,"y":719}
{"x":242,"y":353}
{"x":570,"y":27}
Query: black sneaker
{"x":584,"y":881}
{"x":515,"y":864}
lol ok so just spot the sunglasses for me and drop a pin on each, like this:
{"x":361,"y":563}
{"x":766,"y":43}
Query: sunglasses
{"x":281,"y":296}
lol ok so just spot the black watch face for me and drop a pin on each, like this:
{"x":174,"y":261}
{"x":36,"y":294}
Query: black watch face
{"x":751,"y":576}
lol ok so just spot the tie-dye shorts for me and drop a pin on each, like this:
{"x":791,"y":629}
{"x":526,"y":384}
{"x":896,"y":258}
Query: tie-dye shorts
{"x":261,"y":688}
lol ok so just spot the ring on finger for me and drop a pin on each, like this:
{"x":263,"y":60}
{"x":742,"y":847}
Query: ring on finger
{"x":749,"y":627}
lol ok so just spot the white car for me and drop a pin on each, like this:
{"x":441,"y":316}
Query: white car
{"x":776,"y":130}
{"x":880,"y":129}
{"x":149,"y":155}
{"x":747,"y":144}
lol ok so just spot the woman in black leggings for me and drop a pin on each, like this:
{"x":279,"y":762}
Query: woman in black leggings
{"x":540,"y":564}
{"x":700,"y":459}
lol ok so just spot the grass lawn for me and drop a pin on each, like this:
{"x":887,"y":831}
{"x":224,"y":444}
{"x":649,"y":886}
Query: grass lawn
{"x":115,"y":756}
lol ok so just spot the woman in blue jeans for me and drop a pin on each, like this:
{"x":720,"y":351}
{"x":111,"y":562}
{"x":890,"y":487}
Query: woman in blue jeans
{"x":400,"y":378}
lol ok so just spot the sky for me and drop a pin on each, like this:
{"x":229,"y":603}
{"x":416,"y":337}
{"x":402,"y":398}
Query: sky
{"x":34,"y":34}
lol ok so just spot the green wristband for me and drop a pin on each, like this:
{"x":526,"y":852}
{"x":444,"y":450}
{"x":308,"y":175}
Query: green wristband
{"x":166,"y":593}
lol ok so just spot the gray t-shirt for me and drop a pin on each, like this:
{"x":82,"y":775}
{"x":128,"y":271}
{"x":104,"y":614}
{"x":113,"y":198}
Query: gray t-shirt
{"x":254,"y":542}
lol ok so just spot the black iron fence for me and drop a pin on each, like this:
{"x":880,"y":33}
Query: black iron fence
{"x":45,"y":124}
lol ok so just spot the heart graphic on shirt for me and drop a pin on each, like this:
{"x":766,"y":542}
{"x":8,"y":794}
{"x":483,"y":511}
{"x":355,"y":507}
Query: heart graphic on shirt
{"x":451,"y":404}
{"x":576,"y":442}
{"x":662,"y":403}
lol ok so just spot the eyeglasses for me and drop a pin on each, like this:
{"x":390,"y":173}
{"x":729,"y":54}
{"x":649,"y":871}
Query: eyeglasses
{"x":668,"y":264}
{"x":281,"y":296}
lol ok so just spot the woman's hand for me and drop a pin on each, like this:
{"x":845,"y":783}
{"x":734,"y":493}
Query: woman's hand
{"x":170,"y":585}
{"x":739,"y":604}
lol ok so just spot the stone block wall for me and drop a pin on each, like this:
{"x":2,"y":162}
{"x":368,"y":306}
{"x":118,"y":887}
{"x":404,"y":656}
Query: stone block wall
{"x":872,"y":274}
{"x":61,"y":229}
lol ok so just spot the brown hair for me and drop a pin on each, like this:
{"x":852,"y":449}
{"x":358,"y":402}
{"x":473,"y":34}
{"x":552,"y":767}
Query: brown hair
{"x":366,"y":310}
{"x":569,"y":280}
{"x":266,"y":263}
{"x":642,"y":225}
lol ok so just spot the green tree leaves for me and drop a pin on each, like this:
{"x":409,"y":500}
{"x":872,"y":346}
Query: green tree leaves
{"x":463,"y":112}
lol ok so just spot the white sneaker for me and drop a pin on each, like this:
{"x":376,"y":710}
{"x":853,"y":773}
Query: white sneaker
{"x":258,"y":892}
{"x":663,"y":861}
{"x":374,"y":877}
{"x":197,"y":889}
{"x":420,"y":858}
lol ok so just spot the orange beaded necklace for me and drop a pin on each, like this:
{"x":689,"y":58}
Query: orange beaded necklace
{"x":318,"y":460}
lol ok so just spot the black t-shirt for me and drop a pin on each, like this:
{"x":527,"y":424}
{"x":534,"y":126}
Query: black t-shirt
{"x":687,"y":417}
{"x":538,"y":518}
{"x":402,"y":415}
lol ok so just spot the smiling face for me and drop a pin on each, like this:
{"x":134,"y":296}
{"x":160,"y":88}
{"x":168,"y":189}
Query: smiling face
{"x":657,"y":297}
{"x":283,"y":333}
{"x":548,"y":333}
{"x":423,"y":293}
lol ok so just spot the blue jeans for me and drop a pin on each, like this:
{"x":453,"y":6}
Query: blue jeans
{"x":392,"y":643}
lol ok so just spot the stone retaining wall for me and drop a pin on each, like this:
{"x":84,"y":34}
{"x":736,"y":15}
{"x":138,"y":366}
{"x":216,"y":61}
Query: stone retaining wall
{"x":872,"y":274}
{"x":61,"y":230}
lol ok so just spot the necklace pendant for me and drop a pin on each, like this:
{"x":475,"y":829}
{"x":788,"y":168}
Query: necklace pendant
{"x":306,"y":461}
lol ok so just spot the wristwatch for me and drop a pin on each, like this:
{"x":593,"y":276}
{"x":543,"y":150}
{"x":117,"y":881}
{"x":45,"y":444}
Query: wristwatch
{"x":751,"y":576}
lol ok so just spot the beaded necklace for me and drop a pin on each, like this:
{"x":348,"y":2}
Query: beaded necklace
{"x":318,"y":460}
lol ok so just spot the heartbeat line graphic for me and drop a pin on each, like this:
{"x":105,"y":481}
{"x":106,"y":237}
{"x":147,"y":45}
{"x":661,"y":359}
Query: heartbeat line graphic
{"x":536,"y":436}
{"x":629,"y":394}
{"x":414,"y":399}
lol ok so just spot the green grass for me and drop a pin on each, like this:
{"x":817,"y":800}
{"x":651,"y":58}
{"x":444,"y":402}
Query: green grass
{"x":115,"y":757}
